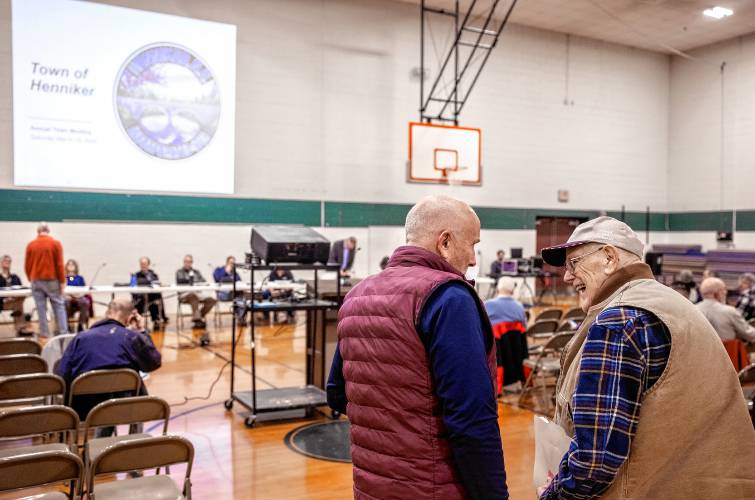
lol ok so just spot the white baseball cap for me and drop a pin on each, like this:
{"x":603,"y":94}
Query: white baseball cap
{"x":600,"y":230}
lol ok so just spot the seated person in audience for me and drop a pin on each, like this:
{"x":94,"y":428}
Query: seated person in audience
{"x":279,"y":274}
{"x":118,"y":341}
{"x":342,"y":252}
{"x":13,"y":304}
{"x":726,"y":320}
{"x":76,"y":303}
{"x":496,"y":267}
{"x":746,"y":301}
{"x":152,"y":301}
{"x":509,"y":321}
{"x":187,"y":275}
{"x":684,"y":283}
{"x":226,"y":274}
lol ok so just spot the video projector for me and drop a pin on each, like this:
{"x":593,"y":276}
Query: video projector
{"x":291,"y":244}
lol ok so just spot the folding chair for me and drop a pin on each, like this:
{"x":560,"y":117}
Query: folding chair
{"x":31,"y":388}
{"x":180,"y":315}
{"x":122,"y":411}
{"x":546,"y":363}
{"x":542,"y":329}
{"x":18,"y":364}
{"x":53,"y":350}
{"x":34,"y":421}
{"x":747,"y":381}
{"x":575,"y":313}
{"x":546,"y":314}
{"x":41,"y":468}
{"x":140,"y":454}
{"x":105,"y":382}
{"x":218,"y":312}
{"x":568,"y":325}
{"x":19,"y":346}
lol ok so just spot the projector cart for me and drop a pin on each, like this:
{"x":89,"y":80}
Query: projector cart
{"x":286,"y":402}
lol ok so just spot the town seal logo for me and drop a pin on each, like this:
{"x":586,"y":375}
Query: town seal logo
{"x":167,"y":101}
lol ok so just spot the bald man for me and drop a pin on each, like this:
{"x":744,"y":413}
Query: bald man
{"x":118,"y":341}
{"x":509,"y":324}
{"x":726,"y":320}
{"x":415,"y":367}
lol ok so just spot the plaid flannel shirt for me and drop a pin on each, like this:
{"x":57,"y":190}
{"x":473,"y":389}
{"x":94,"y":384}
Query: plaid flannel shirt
{"x":625,"y":352}
{"x":746,"y":304}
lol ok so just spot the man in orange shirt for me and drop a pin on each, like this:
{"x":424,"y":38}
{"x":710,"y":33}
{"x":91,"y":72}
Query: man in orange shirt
{"x":44,"y":268}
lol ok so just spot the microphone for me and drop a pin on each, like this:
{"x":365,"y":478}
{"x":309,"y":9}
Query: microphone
{"x":96,"y":273}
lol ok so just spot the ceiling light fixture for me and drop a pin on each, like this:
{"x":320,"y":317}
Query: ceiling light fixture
{"x":718,"y":12}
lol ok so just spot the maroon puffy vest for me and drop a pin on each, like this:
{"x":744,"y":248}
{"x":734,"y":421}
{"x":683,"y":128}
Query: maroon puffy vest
{"x":398,"y":442}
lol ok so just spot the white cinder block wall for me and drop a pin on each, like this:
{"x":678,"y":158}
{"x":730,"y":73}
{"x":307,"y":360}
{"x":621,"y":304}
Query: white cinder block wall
{"x":324,"y":95}
{"x":705,"y":173}
{"x":323,"y":100}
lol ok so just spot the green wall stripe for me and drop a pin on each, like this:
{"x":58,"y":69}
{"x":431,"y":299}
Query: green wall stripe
{"x":33,"y":205}
{"x":343,"y":214}
{"x":746,"y":220}
{"x":27,"y":205}
{"x":351,"y":214}
{"x":523,"y":218}
{"x":700,"y":221}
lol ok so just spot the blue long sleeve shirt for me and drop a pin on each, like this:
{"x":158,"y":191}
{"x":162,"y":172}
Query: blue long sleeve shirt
{"x":451,"y":331}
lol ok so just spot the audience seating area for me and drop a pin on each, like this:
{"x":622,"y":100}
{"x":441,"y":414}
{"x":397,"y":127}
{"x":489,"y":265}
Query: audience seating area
{"x":44,"y":444}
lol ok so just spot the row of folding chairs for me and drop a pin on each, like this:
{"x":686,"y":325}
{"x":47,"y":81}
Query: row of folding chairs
{"x":557,"y":314}
{"x":24,"y":376}
{"x":28,"y":422}
{"x":545,"y":329}
{"x":37,"y":468}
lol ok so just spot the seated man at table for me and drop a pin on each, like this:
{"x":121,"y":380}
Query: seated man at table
{"x":152,"y":301}
{"x":496,"y":267}
{"x":118,"y":341}
{"x":509,"y":323}
{"x":279,"y":274}
{"x":187,"y":275}
{"x":13,"y":304}
{"x":226,"y":274}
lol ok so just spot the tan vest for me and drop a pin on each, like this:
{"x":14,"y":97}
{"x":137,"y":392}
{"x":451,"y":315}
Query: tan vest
{"x":694,"y":439}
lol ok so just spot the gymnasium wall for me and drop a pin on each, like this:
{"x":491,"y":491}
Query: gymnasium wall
{"x":324,"y":94}
{"x":709,"y":103}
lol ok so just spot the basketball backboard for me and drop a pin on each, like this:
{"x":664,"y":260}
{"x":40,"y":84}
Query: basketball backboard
{"x":443,"y":154}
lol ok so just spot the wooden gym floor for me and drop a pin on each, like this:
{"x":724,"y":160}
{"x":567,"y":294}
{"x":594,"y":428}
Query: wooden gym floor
{"x":232,"y":461}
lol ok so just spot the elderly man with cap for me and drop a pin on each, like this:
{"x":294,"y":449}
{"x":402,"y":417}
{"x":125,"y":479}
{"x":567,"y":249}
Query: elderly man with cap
{"x":726,"y":320}
{"x":630,"y":393}
{"x":509,"y":322}
{"x":415,"y":368}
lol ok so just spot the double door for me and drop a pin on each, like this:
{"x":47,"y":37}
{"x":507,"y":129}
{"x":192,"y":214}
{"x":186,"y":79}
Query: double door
{"x":554,"y":231}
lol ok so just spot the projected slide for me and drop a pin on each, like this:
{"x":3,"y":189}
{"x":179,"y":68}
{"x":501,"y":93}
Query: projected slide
{"x":113,"y":98}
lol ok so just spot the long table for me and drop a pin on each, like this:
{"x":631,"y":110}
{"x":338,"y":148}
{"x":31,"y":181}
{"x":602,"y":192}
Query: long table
{"x":112,"y":290}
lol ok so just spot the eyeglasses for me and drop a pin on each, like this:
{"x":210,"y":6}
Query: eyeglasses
{"x":571,"y":264}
